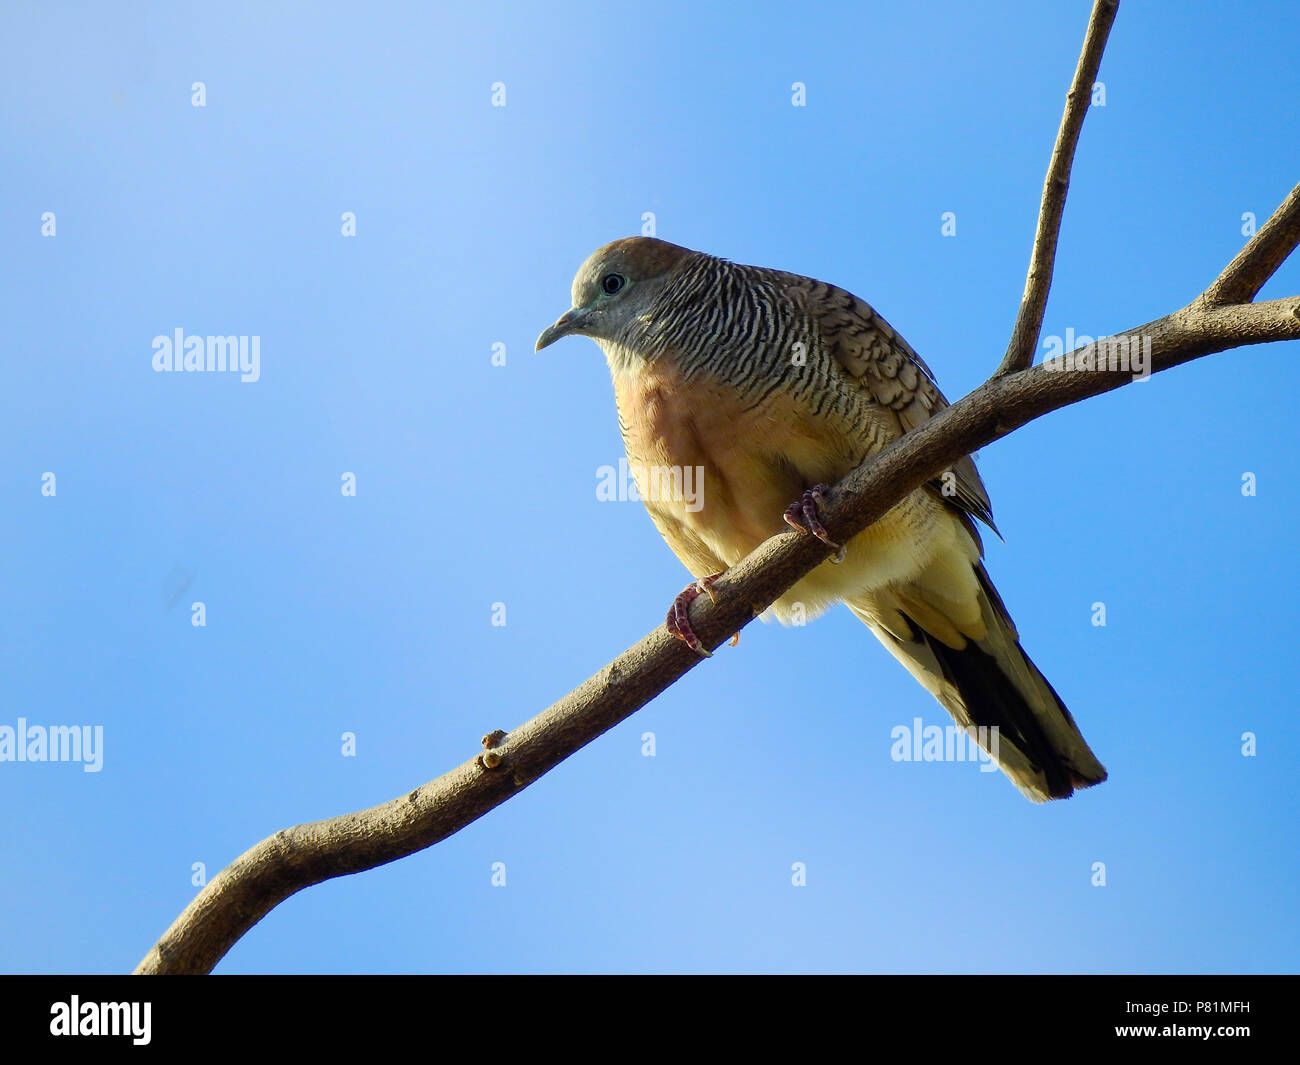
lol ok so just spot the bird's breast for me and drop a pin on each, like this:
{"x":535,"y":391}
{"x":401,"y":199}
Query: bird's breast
{"x":707,"y":457}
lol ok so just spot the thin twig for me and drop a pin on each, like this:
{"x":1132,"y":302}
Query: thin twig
{"x":1033,"y":304}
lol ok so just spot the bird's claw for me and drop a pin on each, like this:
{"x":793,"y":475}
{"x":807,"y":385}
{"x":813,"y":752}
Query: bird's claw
{"x":802,"y":515}
{"x":678,"y":622}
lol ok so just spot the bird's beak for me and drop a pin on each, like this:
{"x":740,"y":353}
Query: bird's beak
{"x":564,"y":326}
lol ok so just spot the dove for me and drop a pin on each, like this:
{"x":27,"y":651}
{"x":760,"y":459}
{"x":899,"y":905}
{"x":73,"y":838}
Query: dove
{"x":770,"y":387}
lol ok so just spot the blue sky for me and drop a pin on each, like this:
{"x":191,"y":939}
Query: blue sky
{"x":372,"y":614}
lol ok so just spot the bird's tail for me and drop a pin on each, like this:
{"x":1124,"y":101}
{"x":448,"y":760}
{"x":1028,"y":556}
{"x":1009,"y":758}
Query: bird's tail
{"x":978,"y":671}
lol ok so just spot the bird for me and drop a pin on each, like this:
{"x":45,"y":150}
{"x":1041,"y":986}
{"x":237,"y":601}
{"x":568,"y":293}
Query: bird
{"x":773,"y":386}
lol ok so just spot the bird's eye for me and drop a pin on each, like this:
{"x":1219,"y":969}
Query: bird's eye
{"x":612,"y":283}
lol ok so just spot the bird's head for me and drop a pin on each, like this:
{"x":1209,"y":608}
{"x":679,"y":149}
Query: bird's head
{"x":617,"y":284}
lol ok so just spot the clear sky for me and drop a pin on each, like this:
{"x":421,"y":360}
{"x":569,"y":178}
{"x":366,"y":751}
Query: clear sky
{"x":476,"y":484}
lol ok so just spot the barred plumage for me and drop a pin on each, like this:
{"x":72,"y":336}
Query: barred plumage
{"x":770,"y":384}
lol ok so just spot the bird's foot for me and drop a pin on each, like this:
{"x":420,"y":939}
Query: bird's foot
{"x":679,"y":617}
{"x":803,"y":516}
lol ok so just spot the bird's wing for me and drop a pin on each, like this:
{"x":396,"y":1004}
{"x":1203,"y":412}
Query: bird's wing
{"x":871,"y":353}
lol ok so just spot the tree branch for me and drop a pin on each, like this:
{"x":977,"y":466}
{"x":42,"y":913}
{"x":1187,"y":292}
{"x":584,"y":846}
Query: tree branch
{"x":1242,"y":278}
{"x":1033,"y":304}
{"x":295,"y":858}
